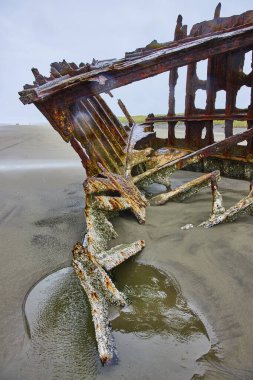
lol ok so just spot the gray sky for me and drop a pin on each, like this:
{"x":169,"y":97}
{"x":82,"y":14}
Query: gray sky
{"x":36,"y":33}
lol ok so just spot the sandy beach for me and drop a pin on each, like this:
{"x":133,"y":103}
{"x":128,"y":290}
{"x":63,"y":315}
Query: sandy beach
{"x":218,"y":130}
{"x":190,"y":291}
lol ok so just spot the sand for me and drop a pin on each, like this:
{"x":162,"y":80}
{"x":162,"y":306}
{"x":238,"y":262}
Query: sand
{"x":190,"y":291}
{"x":161,"y":130}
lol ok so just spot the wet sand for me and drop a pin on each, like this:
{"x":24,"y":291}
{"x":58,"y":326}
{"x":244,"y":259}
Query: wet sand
{"x":161,"y":130}
{"x":190,"y":291}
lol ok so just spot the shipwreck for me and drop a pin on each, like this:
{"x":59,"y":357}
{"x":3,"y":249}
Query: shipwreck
{"x":122,"y":160}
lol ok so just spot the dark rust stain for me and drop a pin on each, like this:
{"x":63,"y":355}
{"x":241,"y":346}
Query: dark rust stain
{"x":95,"y":296}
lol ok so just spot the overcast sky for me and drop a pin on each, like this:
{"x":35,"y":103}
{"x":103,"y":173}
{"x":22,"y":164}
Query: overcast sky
{"x":35,"y":33}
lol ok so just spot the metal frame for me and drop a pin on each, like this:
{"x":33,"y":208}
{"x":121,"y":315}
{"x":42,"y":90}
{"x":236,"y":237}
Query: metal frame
{"x":122,"y":160}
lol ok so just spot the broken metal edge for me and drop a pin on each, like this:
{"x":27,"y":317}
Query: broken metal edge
{"x":186,"y":190}
{"x":101,"y":291}
{"x":219,"y":215}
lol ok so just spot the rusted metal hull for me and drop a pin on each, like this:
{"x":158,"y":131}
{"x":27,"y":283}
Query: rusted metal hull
{"x":120,"y":160}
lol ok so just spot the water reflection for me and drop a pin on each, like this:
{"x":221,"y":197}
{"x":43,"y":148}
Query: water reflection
{"x":158,"y":324}
{"x":156,"y":304}
{"x":62,"y":335}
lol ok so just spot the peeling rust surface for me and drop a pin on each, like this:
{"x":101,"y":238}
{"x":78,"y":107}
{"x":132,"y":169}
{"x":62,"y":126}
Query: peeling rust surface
{"x":101,"y":293}
{"x":120,"y":160}
{"x":187,"y":190}
{"x":220,"y":215}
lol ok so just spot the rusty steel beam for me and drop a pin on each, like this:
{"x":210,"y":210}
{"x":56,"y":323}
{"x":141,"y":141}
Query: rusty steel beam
{"x":101,"y":293}
{"x":198,"y":117}
{"x":100,"y":290}
{"x":126,"y":113}
{"x":186,"y":190}
{"x":219,"y":215}
{"x":194,"y":157}
{"x":125,"y":186}
{"x":123,"y":72}
{"x":92,"y":259}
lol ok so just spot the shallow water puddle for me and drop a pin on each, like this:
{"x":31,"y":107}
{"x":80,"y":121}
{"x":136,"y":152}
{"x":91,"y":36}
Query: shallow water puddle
{"x":157,"y":335}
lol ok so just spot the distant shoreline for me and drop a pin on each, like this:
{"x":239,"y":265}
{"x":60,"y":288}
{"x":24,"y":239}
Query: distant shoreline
{"x":141,"y":119}
{"x":138,"y":119}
